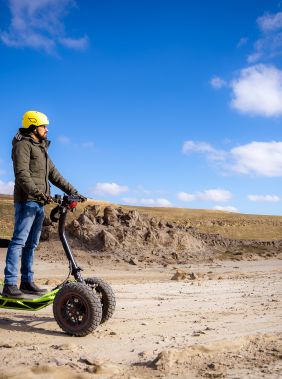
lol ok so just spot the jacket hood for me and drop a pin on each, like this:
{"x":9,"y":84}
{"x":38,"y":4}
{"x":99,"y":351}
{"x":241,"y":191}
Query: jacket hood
{"x":19,"y":137}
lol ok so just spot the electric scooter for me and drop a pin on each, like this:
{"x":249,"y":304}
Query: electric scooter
{"x":79,"y":305}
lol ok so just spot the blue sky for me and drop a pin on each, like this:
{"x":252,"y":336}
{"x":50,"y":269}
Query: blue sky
{"x":158,"y":103}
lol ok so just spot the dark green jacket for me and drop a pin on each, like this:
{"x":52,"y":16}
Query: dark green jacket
{"x":34,"y":169}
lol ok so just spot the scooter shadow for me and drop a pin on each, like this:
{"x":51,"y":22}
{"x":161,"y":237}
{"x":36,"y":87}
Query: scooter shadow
{"x":28,"y":324}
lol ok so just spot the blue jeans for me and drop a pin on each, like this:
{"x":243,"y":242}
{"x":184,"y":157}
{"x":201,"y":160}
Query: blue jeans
{"x":29,"y":218}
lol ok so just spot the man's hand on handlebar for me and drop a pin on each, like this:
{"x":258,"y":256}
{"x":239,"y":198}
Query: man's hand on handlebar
{"x":45,"y":197}
{"x":81,"y":197}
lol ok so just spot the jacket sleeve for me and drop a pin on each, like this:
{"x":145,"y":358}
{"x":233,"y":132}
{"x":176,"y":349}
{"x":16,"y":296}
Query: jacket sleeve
{"x":21,"y":160}
{"x":58,"y":180}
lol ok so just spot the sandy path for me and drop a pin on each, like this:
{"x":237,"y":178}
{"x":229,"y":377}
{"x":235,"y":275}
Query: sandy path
{"x":232,"y":308}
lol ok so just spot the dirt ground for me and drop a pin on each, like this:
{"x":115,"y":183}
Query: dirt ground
{"x":225,"y":321}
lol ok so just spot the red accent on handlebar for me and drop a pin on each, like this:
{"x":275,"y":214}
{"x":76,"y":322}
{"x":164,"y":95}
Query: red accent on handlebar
{"x":72,"y":205}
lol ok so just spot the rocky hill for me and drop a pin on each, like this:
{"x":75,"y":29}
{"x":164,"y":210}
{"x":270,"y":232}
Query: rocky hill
{"x":136,"y":237}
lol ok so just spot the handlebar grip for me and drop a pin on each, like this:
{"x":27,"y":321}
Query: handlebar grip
{"x":66,"y":199}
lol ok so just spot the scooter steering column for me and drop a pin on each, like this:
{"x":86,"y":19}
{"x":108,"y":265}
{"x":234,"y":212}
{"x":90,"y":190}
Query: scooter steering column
{"x":75,"y":269}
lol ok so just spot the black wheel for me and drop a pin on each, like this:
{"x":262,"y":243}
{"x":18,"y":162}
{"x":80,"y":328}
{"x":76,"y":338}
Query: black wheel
{"x":106,"y":295}
{"x":77,"y":310}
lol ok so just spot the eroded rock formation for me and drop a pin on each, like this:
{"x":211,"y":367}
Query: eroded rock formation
{"x":135,"y":237}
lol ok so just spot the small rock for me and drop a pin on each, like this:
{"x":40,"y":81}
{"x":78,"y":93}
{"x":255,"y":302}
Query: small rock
{"x":76,"y":224}
{"x":91,"y":369}
{"x":65,"y":346}
{"x":211,"y":366}
{"x":91,"y":361}
{"x":133,"y":261}
{"x":99,"y":367}
{"x":59,"y":361}
{"x":174,"y":255}
{"x":192,"y":276}
{"x":169,"y":224}
{"x":179,"y":275}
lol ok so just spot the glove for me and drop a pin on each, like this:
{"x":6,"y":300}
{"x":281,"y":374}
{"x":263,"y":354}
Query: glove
{"x":47,"y":199}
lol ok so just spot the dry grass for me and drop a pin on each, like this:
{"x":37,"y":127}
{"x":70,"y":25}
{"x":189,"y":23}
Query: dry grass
{"x":7,"y":213}
{"x":228,"y":224}
{"x":232,"y":225}
{"x":6,"y":216}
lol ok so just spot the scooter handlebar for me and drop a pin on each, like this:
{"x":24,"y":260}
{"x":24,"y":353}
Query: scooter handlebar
{"x":66,"y":199}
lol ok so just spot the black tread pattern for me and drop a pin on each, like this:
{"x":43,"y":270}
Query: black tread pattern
{"x":106,"y":294}
{"x":91,"y":303}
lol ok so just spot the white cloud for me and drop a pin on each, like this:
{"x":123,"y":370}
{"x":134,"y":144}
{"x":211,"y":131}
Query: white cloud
{"x":130,"y":200}
{"x":243,"y":41}
{"x":264,"y":198}
{"x":64,"y":140}
{"x":38,"y":24}
{"x":112,"y":189}
{"x":184,"y":196}
{"x":253,"y":58}
{"x":2,"y":172}
{"x":228,"y":208}
{"x":216,"y":195}
{"x":140,"y":191}
{"x":260,"y":158}
{"x":217,"y":82}
{"x":203,"y":147}
{"x":258,"y":91}
{"x":270,"y":42}
{"x":254,"y":158}
{"x":76,"y":44}
{"x":87,"y":145}
{"x":6,"y":188}
{"x":158,"y":202}
{"x":270,"y":22}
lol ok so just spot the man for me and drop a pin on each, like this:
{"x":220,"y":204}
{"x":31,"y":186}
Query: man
{"x":33,"y":170}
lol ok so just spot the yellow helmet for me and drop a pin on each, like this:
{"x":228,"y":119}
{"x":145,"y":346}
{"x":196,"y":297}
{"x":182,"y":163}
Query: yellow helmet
{"x":34,"y":118}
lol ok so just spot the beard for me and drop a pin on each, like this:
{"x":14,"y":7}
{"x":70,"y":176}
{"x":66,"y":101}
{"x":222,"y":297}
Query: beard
{"x":41,"y":137}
